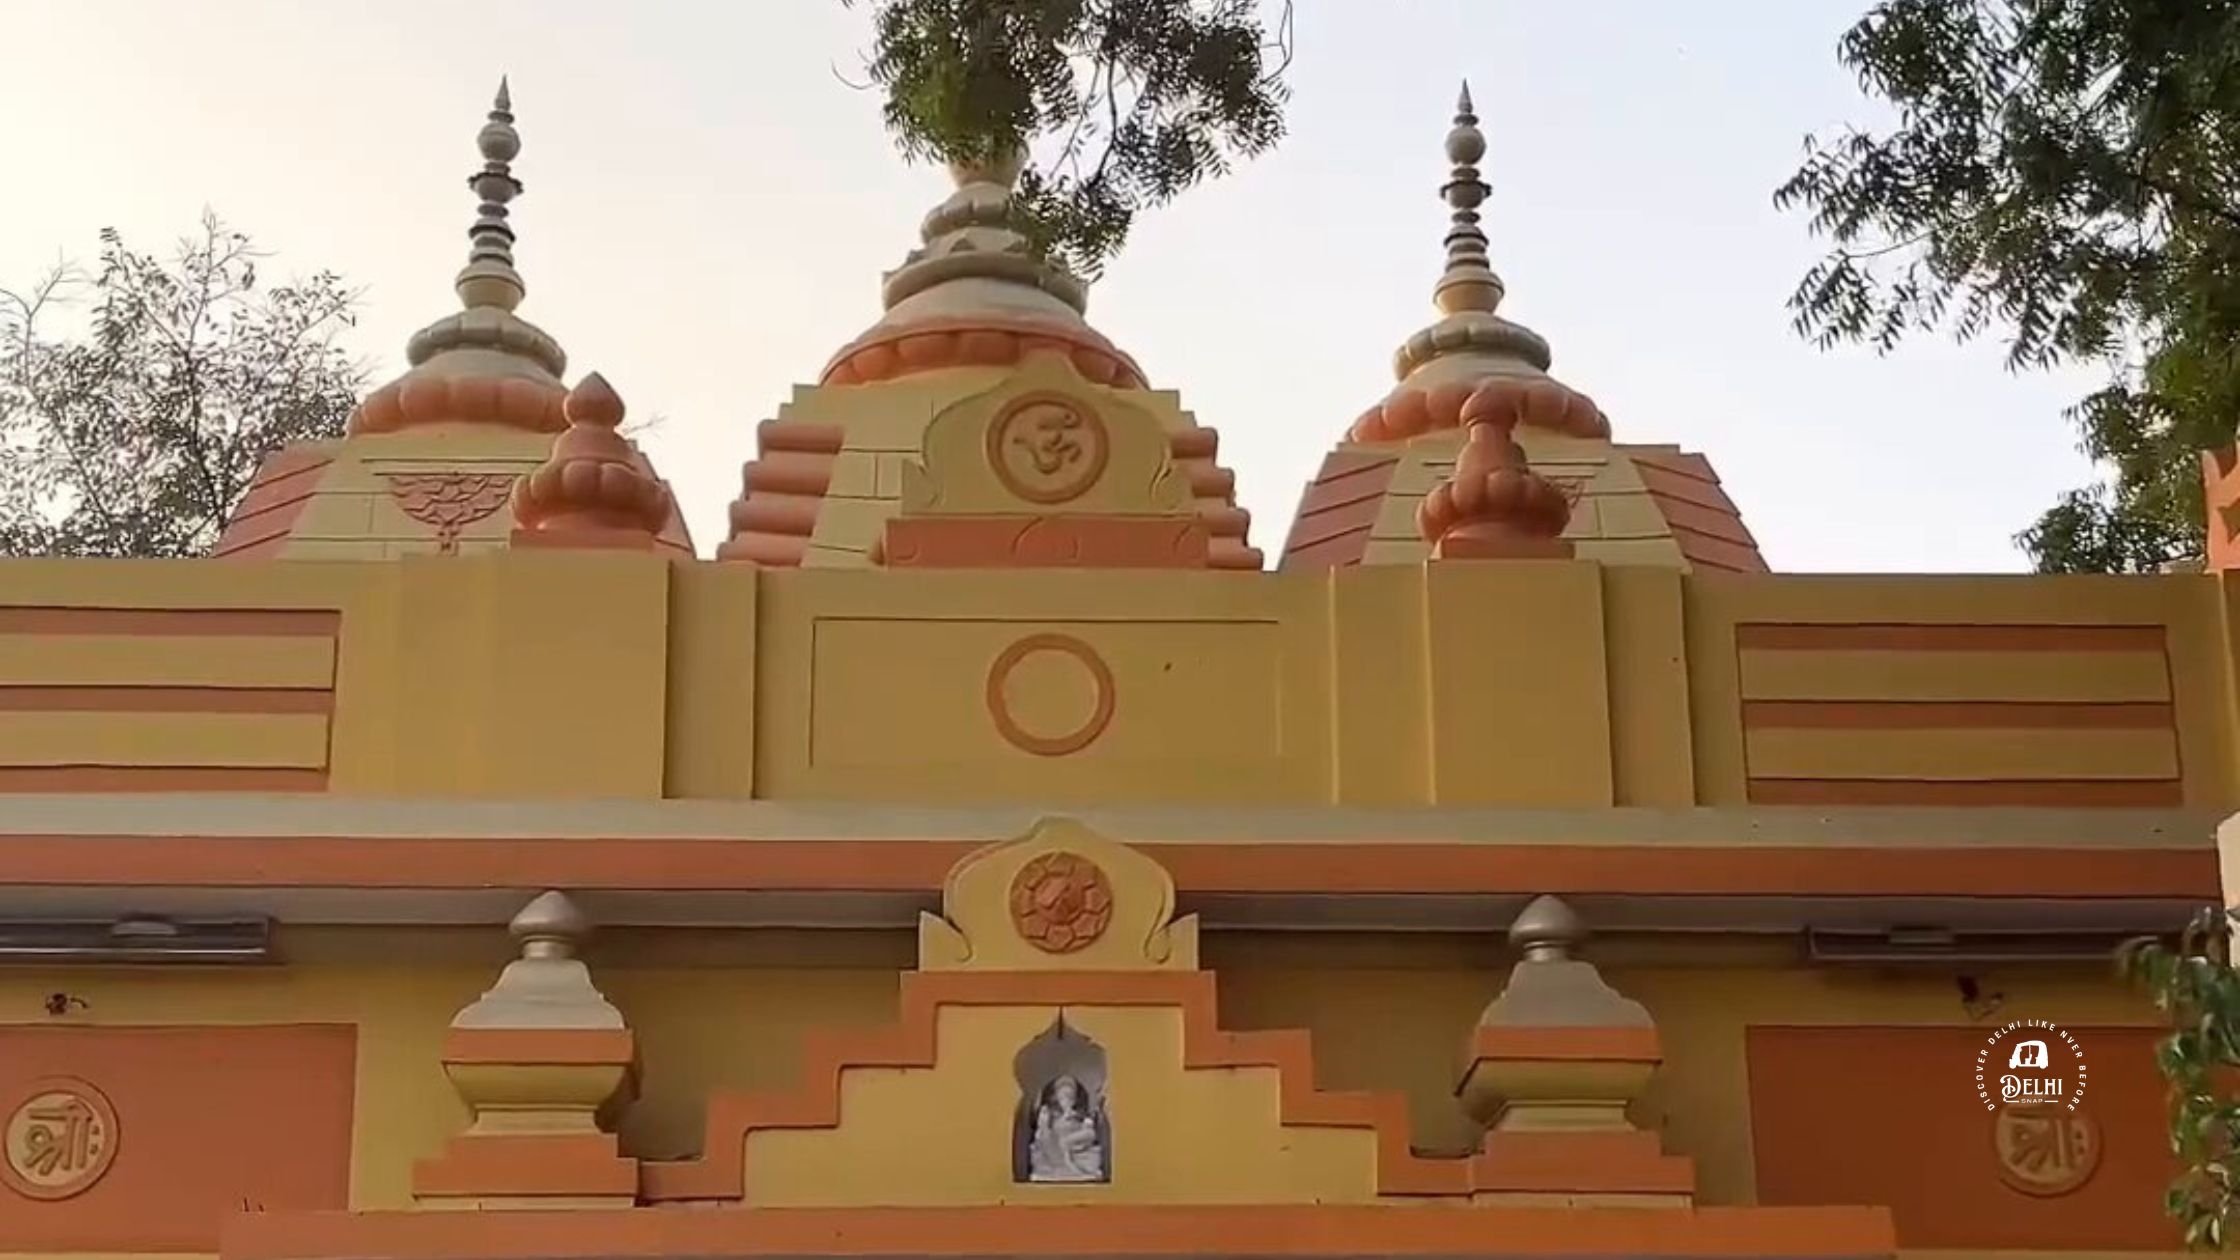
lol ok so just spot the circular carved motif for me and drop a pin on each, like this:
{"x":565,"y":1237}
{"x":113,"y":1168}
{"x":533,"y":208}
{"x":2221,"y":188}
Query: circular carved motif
{"x":59,"y":1139}
{"x":1061,"y":743}
{"x":1047,"y":448}
{"x":2045,"y":1149}
{"x":1061,"y":902}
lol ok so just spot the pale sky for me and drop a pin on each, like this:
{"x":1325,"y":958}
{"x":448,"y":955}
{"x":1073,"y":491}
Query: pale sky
{"x":710,"y":207}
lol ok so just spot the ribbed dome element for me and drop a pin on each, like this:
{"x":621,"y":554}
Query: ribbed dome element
{"x":975,"y":292}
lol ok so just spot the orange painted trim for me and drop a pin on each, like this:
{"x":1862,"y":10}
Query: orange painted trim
{"x":1995,"y":715}
{"x":540,"y":1046}
{"x":1802,"y":1233}
{"x":1605,"y":1045}
{"x":1948,"y":638}
{"x":282,"y":488}
{"x":516,"y":402}
{"x":978,"y":341}
{"x":1580,"y":1163}
{"x":720,"y":1172}
{"x":1339,"y":551}
{"x":313,"y":623}
{"x":1051,"y":542}
{"x":158,"y":779}
{"x":554,"y":1165}
{"x":2078,"y":793}
{"x":65,"y":699}
{"x":842,"y":865}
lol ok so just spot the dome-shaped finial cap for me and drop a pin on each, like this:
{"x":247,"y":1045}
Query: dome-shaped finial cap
{"x":593,"y":480}
{"x":1548,"y":930}
{"x":550,"y":926}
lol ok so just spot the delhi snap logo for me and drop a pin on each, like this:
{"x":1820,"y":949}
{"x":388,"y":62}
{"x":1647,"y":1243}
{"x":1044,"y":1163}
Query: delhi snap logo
{"x":2046,"y":1070}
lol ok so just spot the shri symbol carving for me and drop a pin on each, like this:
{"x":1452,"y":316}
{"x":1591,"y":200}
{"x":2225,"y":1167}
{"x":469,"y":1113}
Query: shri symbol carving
{"x":1047,"y":449}
{"x":2046,"y":1149}
{"x":58,"y":1140}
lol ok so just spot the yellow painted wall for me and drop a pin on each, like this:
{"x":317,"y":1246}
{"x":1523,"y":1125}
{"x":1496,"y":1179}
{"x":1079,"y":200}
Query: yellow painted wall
{"x":729,"y":1011}
{"x":590,"y":675}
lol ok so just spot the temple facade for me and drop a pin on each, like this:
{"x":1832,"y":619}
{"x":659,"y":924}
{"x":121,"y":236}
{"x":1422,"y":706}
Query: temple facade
{"x":459,"y":865}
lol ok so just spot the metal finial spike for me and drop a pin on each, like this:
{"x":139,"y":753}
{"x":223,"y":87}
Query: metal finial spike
{"x":504,"y":103}
{"x":489,"y":278}
{"x":1468,"y":283}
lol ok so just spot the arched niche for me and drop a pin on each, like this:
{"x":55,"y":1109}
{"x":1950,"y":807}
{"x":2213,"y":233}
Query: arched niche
{"x":1061,"y":1133}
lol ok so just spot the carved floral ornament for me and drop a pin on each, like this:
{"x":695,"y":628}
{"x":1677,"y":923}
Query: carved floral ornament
{"x":1059,"y":898}
{"x":58,"y":1139}
{"x":1061,"y":902}
{"x":449,"y":502}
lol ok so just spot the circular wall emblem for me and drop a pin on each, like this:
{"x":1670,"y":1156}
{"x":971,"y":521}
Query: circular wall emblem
{"x":1047,"y":448}
{"x":2030,"y":1061}
{"x":1037,"y":734}
{"x":1061,"y":902}
{"x":59,"y":1140}
{"x":2045,"y":1148}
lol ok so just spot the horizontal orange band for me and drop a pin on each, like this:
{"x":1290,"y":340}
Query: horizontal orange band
{"x":1605,"y":1045}
{"x":1976,"y":793}
{"x":1804,"y":637}
{"x":1803,"y":1233}
{"x":160,"y":779}
{"x":559,"y":1165}
{"x":164,"y":621}
{"x":1982,"y":715}
{"x":559,"y":1047}
{"x":919,"y":866}
{"x":1580,"y":1163}
{"x":105,"y":699}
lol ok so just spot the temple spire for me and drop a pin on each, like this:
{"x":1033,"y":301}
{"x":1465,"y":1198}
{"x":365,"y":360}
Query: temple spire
{"x":489,"y":278}
{"x":1469,"y":282}
{"x":1470,"y":341}
{"x":484,"y":341}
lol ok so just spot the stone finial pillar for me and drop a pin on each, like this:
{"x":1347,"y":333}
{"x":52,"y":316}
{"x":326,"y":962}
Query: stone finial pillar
{"x":1552,"y":1067}
{"x":544,"y":1062}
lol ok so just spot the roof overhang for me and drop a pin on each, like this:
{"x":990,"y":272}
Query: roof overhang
{"x":324,"y":859}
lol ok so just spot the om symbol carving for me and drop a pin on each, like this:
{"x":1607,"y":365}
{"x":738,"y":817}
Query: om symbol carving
{"x":1048,"y":449}
{"x":2046,"y":1149}
{"x":59,"y":1139}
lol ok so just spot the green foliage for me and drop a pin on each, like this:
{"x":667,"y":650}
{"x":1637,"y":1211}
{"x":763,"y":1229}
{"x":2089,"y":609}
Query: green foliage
{"x":1145,"y":99}
{"x":2064,"y":174}
{"x":135,"y":435}
{"x":2195,"y":985}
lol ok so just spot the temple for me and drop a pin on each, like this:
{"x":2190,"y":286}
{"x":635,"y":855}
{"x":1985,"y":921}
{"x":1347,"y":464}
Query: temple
{"x":457,"y":865}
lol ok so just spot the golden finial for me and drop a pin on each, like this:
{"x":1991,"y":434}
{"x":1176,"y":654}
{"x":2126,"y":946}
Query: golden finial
{"x":489,"y":278}
{"x":1469,"y":283}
